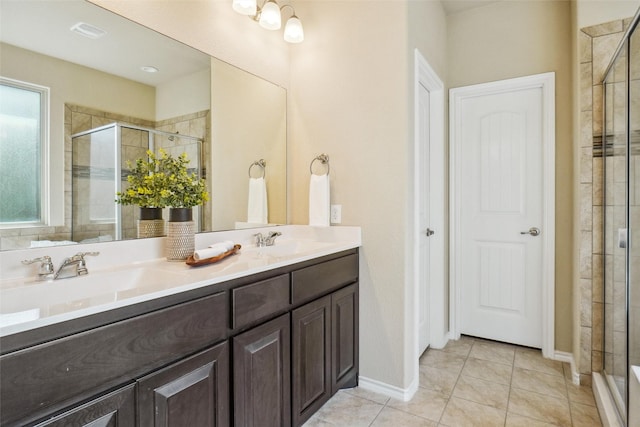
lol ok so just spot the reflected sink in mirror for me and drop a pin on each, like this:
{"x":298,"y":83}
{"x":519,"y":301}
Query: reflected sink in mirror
{"x":29,"y":299}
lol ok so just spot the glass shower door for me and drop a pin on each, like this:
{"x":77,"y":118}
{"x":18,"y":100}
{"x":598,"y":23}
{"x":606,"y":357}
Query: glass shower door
{"x":94,"y":185}
{"x":615,"y":220}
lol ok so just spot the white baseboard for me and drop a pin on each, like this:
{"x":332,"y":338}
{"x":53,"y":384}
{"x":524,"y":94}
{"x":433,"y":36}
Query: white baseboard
{"x":394,"y":392}
{"x":563,"y":356}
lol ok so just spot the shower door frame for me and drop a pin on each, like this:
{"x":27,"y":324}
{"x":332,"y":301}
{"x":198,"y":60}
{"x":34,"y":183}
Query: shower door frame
{"x":625,"y":44}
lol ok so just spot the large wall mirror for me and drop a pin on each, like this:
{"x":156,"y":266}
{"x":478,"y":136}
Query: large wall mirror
{"x":111,"y":97}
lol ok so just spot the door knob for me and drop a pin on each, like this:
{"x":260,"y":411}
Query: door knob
{"x":429,"y":232}
{"x":534,"y":231}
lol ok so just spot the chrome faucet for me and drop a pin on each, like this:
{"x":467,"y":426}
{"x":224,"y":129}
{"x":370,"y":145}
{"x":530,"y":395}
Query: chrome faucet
{"x":268,"y":240}
{"x":70,"y":267}
{"x":74,"y":266}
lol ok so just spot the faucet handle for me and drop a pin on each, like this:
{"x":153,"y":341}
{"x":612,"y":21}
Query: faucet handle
{"x":46,"y":265}
{"x":82,"y":268}
{"x":81,"y":255}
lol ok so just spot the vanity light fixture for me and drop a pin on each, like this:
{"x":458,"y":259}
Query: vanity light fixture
{"x":269,"y":16}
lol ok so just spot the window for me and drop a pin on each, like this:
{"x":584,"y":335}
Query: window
{"x":24,"y":112}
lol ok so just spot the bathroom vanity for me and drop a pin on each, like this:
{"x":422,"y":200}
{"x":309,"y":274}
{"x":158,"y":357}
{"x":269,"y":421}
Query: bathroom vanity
{"x":267,"y":348}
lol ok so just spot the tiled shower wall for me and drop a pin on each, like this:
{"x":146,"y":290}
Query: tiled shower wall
{"x":597,"y":46}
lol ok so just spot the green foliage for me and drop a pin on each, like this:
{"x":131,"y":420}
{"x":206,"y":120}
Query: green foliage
{"x":163,"y":181}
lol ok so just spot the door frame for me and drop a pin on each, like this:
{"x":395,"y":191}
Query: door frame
{"x":546,"y":82}
{"x":425,"y":75}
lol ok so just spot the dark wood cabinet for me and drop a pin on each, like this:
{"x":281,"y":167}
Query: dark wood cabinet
{"x":193,"y":392}
{"x":311,"y":358}
{"x":344,"y":336}
{"x":112,"y":410}
{"x":261,"y":375}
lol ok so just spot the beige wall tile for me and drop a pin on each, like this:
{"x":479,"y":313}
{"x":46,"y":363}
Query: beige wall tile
{"x":603,"y":49}
{"x":586,"y":127}
{"x":586,"y":83}
{"x":585,"y":302}
{"x":584,"y":46}
{"x":604,"y":29}
{"x":586,"y":207}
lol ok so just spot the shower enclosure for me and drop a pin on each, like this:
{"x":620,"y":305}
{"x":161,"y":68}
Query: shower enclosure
{"x":99,"y":171}
{"x":621,"y":162}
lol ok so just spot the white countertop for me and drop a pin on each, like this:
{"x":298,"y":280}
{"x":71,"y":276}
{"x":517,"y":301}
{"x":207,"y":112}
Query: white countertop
{"x":131,"y":272}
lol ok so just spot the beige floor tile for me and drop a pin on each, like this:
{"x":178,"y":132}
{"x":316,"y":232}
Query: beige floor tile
{"x":581,"y":394}
{"x":344,"y":409}
{"x":493,"y":351}
{"x":463,"y":413}
{"x":532,"y":359}
{"x":488,"y":371}
{"x":461,"y":346}
{"x":425,"y":403}
{"x":550,"y":385}
{"x":440,"y":380}
{"x":442,"y":360}
{"x":316,"y":421}
{"x":390,"y":417}
{"x":481,"y":391}
{"x":540,"y":407}
{"x":585,"y":415}
{"x":367,"y":394}
{"x":515,"y":420}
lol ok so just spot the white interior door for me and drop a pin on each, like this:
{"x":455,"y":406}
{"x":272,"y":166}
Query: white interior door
{"x":500,"y":215}
{"x":424,"y":220}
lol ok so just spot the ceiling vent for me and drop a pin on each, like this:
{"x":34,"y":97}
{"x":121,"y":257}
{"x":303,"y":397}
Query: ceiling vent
{"x":88,"y":30}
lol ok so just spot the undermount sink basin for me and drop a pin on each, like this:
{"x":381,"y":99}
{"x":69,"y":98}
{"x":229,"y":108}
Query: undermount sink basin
{"x":32,"y":299}
{"x":285,"y":248}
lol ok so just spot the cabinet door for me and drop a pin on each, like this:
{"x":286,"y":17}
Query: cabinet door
{"x":261,"y":375}
{"x":114,"y":409}
{"x":311,"y":338}
{"x":344,"y":338}
{"x":193,"y":392}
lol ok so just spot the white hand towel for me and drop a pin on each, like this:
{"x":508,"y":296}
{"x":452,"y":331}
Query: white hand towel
{"x":213,"y":250}
{"x":319,"y":200}
{"x":227,"y":245}
{"x":207,"y":253}
{"x":257,"y":209}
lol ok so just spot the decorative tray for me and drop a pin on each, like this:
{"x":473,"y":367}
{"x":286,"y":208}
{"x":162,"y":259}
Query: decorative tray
{"x":192,"y":262}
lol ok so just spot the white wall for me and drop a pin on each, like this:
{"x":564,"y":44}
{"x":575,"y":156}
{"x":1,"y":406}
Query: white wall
{"x":352,"y":98}
{"x":184,"y":95}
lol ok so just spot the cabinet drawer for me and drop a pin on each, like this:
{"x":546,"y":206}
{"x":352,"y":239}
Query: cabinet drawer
{"x":320,"y":279}
{"x":259,"y":300}
{"x":40,"y":379}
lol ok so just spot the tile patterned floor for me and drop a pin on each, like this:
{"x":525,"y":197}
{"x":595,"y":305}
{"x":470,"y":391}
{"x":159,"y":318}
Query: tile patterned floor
{"x":473,"y":382}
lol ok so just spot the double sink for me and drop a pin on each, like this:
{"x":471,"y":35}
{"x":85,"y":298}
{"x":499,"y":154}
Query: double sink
{"x":26,"y":303}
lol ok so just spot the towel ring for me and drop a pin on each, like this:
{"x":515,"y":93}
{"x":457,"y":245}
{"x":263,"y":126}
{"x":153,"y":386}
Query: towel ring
{"x":260,"y":163}
{"x":324,"y":159}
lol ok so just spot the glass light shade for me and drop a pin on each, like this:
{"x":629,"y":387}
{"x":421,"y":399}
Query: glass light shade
{"x":293,"y":32}
{"x":270,"y":16}
{"x":245,"y":7}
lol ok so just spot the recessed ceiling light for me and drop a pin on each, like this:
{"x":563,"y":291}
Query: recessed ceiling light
{"x":88,"y":30}
{"x":149,"y":69}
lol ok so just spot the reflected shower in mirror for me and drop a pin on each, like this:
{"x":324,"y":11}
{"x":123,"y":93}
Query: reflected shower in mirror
{"x":238,"y":116}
